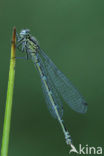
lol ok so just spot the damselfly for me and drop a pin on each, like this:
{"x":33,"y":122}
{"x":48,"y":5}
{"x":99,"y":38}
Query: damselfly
{"x":54,"y":83}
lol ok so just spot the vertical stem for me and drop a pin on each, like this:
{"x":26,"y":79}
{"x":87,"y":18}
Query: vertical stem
{"x":8,"y":108}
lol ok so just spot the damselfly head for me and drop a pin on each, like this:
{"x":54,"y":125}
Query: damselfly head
{"x":24,"y":32}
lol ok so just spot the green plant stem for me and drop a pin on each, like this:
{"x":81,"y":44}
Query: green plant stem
{"x":8,"y":109}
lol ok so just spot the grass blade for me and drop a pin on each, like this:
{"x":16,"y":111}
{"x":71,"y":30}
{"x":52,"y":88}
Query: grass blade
{"x":8,"y":108}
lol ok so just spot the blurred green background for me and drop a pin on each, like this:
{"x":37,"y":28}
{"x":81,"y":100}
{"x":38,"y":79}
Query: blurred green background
{"x":72,"y":35}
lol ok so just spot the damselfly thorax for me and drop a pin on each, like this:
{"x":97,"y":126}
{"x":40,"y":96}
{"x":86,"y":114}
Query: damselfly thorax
{"x":26,"y":42}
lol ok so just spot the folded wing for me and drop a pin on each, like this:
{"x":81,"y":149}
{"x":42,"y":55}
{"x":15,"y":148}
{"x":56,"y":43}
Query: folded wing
{"x":64,"y":86}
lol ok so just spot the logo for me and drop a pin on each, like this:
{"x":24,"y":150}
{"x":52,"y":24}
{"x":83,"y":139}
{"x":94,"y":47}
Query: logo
{"x":86,"y":150}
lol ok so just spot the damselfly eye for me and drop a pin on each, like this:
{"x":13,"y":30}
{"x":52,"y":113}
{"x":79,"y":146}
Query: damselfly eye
{"x":24,"y":32}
